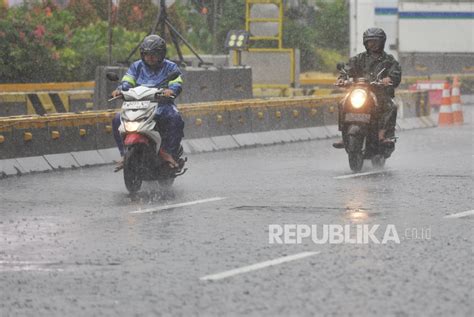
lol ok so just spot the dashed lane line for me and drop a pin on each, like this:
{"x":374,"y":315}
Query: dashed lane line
{"x":202,"y":201}
{"x":362,"y":174}
{"x":257,"y":266}
{"x":460,"y":214}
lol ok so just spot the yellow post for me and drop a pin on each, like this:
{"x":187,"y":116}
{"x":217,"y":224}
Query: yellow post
{"x":279,"y":38}
{"x":279,"y":20}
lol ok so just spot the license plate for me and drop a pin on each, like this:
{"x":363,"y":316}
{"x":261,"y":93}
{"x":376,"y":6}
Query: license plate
{"x":136,"y":105}
{"x":357,"y":117}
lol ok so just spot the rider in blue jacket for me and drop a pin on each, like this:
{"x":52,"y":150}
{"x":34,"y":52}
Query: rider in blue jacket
{"x":150,"y":71}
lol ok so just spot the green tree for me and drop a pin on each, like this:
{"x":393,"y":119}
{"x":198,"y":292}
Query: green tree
{"x":322,"y":35}
{"x":137,"y":15}
{"x":84,"y":12}
{"x":296,"y":34}
{"x":101,"y":9}
{"x":331,"y":23}
{"x":198,"y":30}
{"x":3,"y":10}
{"x":31,"y":35}
{"x":88,"y":47}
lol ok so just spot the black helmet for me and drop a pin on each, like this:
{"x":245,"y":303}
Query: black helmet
{"x":375,"y":34}
{"x":153,"y":44}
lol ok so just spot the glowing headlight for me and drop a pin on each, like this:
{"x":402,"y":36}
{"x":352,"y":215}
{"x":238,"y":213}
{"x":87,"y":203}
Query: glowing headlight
{"x":358,"y":97}
{"x":131,"y":126}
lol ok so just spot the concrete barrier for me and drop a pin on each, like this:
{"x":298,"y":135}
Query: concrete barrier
{"x":46,"y":102}
{"x":43,"y":143}
{"x":200,"y":84}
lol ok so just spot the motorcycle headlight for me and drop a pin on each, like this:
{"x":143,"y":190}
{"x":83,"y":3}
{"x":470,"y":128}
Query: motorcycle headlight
{"x":131,"y":126}
{"x":358,"y":98}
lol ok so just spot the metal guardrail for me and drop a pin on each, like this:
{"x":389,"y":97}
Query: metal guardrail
{"x":62,"y":140}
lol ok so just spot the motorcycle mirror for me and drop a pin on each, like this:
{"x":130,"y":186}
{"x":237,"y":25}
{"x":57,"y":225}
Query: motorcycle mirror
{"x":173,"y":75}
{"x":340,"y":66}
{"x":112,"y":76}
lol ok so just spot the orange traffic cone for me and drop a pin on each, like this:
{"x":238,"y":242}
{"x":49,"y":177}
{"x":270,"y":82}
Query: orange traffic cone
{"x":458,"y":117}
{"x":445,"y":111}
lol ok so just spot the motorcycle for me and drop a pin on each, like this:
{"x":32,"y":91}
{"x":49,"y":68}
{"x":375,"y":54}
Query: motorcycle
{"x":141,"y":137}
{"x":358,"y":120}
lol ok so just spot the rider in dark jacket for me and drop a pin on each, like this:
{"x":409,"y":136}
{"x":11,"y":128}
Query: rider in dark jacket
{"x":368,"y":64}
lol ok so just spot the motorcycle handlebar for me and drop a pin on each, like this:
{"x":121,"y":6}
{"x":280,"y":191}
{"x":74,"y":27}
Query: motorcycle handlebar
{"x":115,"y":98}
{"x":347,"y":83}
{"x":161,"y":95}
{"x":157,"y":96}
{"x":379,"y":84}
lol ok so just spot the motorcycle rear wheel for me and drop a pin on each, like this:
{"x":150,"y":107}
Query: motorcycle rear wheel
{"x":133,"y":181}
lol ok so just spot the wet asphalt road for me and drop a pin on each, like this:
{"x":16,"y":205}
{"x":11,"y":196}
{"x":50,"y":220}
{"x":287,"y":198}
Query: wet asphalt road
{"x":70,"y":246}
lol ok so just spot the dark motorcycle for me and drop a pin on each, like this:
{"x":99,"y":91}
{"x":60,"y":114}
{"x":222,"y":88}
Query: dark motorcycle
{"x":141,"y":137}
{"x":359,"y":117}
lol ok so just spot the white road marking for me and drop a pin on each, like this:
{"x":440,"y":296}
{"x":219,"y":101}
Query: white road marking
{"x":18,"y":266}
{"x":25,"y":263}
{"x":361,"y":174}
{"x":177,"y":205}
{"x":257,"y":266}
{"x":461,"y":214}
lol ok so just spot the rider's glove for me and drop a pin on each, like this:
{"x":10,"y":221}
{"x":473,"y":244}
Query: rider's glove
{"x":116,"y":93}
{"x":168,"y":93}
{"x":387,"y":81}
{"x":125,"y":86}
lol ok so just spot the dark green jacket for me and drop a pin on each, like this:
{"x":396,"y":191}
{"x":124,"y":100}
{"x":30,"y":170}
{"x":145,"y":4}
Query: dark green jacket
{"x":365,"y":65}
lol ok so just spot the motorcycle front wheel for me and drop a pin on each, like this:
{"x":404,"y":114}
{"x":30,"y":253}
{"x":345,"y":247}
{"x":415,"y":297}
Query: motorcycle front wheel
{"x":356,"y":161}
{"x":131,"y":176}
{"x":356,"y":158}
{"x":378,"y":161}
{"x":166,"y":182}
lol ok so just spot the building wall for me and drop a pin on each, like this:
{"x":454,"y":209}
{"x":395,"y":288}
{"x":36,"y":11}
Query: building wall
{"x":436,"y":27}
{"x":386,"y":17}
{"x":362,"y":17}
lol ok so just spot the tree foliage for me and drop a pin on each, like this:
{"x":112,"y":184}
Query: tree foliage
{"x":137,"y":15}
{"x":84,"y":11}
{"x":40,"y":42}
{"x":88,"y":48}
{"x":321,"y":34}
{"x":29,"y":42}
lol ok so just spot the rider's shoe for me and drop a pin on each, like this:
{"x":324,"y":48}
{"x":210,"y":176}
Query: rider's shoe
{"x":119,"y":165}
{"x":180,"y":162}
{"x":339,"y":144}
{"x":388,"y":142}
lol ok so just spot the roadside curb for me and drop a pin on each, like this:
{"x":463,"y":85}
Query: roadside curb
{"x":53,"y":162}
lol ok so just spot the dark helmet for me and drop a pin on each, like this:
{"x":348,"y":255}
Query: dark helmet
{"x":153,"y":44}
{"x":375,"y":34}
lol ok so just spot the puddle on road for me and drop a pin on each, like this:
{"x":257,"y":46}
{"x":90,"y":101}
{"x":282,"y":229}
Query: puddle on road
{"x":358,"y":215}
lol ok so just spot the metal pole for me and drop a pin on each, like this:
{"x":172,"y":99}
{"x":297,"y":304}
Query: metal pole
{"x":172,"y":29}
{"x":109,"y":13}
{"x":214,"y":27}
{"x":163,"y":17}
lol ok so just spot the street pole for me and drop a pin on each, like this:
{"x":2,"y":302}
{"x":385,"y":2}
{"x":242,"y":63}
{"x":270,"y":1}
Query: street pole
{"x":214,"y":27}
{"x":109,"y":13}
